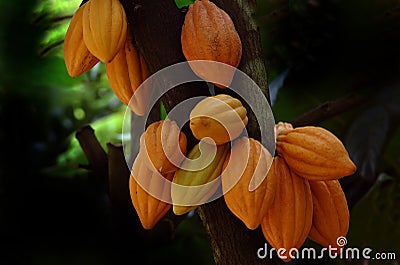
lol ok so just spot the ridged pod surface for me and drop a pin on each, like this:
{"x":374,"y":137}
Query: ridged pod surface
{"x":104,"y":28}
{"x":164,"y":143}
{"x":331,"y":214}
{"x":192,"y":178}
{"x":126,"y":72}
{"x":144,"y":185}
{"x":208,"y":33}
{"x":248,"y":192}
{"x":77,"y":57}
{"x":220,"y":117}
{"x":288,"y":220}
{"x":314,"y":153}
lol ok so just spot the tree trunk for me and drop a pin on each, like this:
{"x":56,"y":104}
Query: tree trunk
{"x":156,"y":26}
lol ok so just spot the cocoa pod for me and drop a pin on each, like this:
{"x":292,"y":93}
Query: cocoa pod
{"x":149,"y":195}
{"x":248,"y":192}
{"x":314,"y":153}
{"x":208,"y":33}
{"x":165,"y":143}
{"x":194,"y":181}
{"x":77,"y":57}
{"x":126,"y":72}
{"x":331,"y":215}
{"x":104,"y":28}
{"x":220,"y":117}
{"x":288,"y":221}
{"x":282,"y":126}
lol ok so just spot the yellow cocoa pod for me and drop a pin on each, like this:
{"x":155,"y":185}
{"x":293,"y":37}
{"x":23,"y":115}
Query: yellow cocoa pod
{"x":146,"y":190}
{"x":248,"y":192}
{"x":104,"y":28}
{"x":126,"y":72}
{"x":220,"y":117}
{"x":164,"y":143}
{"x":331,"y":214}
{"x":288,"y":221}
{"x":77,"y":57}
{"x":195,"y":177}
{"x":314,"y":153}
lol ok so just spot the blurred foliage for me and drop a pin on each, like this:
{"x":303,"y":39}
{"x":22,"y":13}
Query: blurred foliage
{"x":107,"y":128}
{"x":57,"y":15}
{"x":379,"y":214}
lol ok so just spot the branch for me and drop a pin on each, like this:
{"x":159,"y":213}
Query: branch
{"x":118,"y":176}
{"x":60,"y":18}
{"x":94,"y":153}
{"x":276,"y":14}
{"x":50,"y":47}
{"x":126,"y":223}
{"x":252,"y":62}
{"x":328,"y":110}
{"x":232,"y":242}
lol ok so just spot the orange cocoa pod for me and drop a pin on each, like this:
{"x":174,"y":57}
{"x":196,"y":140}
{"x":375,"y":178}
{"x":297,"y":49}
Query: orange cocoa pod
{"x":208,"y":33}
{"x":126,"y":72}
{"x":314,"y":153}
{"x":248,"y":192}
{"x":220,"y":117}
{"x":288,"y":221}
{"x":77,"y":57}
{"x":165,"y":145}
{"x":282,"y":126}
{"x":104,"y":28}
{"x":331,"y":214}
{"x":149,"y":195}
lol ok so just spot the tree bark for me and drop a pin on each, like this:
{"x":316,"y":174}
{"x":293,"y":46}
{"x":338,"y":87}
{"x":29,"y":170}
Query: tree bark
{"x":156,"y":26}
{"x":329,"y":109}
{"x":94,"y":153}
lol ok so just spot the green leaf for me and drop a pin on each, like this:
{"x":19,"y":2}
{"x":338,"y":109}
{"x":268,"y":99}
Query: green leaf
{"x":183,"y":3}
{"x":164,"y":115}
{"x":379,"y":214}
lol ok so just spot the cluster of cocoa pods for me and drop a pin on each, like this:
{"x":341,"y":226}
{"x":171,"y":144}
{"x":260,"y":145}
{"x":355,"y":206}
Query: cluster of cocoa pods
{"x":192,"y":180}
{"x":99,"y":31}
{"x":292,"y":195}
{"x":309,"y":201}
